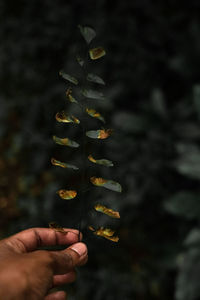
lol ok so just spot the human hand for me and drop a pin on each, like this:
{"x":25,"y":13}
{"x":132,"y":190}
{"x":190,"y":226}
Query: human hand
{"x":28,"y":274}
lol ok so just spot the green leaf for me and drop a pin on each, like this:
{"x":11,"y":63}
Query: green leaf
{"x":65,"y":142}
{"x":62,"y":164}
{"x":94,"y":78}
{"x":68,"y":77}
{"x":104,"y":162}
{"x":108,"y":184}
{"x":92,"y":94}
{"x":99,"y":134}
{"x":88,"y":33}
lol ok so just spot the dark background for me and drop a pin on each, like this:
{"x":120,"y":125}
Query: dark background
{"x":153,"y":88}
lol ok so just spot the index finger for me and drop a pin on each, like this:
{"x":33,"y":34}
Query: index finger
{"x":31,"y":239}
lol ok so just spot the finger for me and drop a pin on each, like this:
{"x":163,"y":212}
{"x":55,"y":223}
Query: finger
{"x":64,"y":279}
{"x":31,"y":239}
{"x":66,"y":260}
{"x":61,"y":295}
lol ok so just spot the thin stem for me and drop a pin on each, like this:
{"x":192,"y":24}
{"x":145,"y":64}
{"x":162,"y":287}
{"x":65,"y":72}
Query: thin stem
{"x":84,"y":142}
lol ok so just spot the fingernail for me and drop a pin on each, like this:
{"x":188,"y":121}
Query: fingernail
{"x":79,"y":248}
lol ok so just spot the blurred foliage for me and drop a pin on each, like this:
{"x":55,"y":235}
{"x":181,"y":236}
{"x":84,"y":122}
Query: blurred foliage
{"x":152,"y":70}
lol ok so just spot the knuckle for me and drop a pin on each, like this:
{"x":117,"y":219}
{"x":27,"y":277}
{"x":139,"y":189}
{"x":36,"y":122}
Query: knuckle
{"x":45,"y":256}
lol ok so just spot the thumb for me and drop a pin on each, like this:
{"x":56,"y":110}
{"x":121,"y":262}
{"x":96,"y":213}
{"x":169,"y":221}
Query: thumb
{"x":66,"y":260}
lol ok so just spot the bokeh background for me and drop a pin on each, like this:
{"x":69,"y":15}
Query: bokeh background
{"x":153,"y":103}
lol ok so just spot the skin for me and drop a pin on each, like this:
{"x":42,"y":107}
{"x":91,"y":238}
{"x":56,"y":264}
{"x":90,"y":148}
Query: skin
{"x":29,"y":274}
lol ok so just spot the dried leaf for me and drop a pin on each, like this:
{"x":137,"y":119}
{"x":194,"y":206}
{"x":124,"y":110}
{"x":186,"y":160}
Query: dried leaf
{"x":97,"y":53}
{"x":69,"y":96}
{"x":95,"y":78}
{"x":68,"y":77}
{"x":67,"y":194}
{"x":88,"y":33}
{"x":108,"y":184}
{"x":92,"y":94}
{"x":56,"y":227}
{"x":104,"y":133}
{"x":93,"y":113}
{"x":65,"y":118}
{"x":62,"y":164}
{"x":104,"y":162}
{"x":106,"y":233}
{"x":98,"y":181}
{"x":80,"y":60}
{"x":65,"y":142}
{"x":99,"y":134}
{"x":108,"y":211}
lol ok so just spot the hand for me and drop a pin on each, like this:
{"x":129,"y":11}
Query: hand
{"x":28,"y":274}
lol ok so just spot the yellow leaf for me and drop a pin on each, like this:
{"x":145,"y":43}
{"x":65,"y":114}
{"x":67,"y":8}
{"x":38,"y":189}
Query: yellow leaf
{"x":56,"y":227}
{"x":104,"y":133}
{"x":69,"y":96}
{"x":65,"y":142}
{"x":107,"y":211}
{"x":93,"y":113}
{"x":97,"y":53}
{"x":106,"y":233}
{"x":67,"y":194}
{"x":98,"y":181}
{"x":92,"y":159}
{"x":108,"y":184}
{"x":58,"y":163}
{"x":64,"y":118}
{"x":103,"y":161}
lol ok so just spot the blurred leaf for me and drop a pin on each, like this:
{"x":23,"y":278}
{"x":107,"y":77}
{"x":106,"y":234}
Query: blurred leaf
{"x":106,"y":233}
{"x":133,"y":123}
{"x":193,"y":238}
{"x":189,"y":160}
{"x":92,"y":94}
{"x":99,"y":134}
{"x":104,"y":162}
{"x":88,"y":33}
{"x":56,"y":227}
{"x":65,"y":142}
{"x":107,"y":211}
{"x":187,"y":283}
{"x":65,"y":118}
{"x":93,"y":113}
{"x":97,"y":53}
{"x":67,"y":194}
{"x":196,"y":99}
{"x":183,"y":204}
{"x":69,"y":96}
{"x":108,"y":184}
{"x":68,"y":77}
{"x":62,"y":164}
{"x":94,"y":78}
{"x":80,"y":60}
{"x":158,"y":102}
